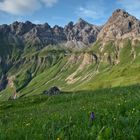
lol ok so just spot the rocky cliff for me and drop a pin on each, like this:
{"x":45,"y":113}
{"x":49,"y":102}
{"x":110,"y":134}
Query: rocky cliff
{"x":121,"y":25}
{"x":42,"y":35}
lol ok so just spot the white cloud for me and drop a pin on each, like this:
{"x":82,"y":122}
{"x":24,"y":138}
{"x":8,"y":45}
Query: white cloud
{"x":21,"y":7}
{"x":94,"y":10}
{"x":132,"y":6}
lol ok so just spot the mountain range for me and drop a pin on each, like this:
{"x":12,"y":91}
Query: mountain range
{"x":75,"y":57}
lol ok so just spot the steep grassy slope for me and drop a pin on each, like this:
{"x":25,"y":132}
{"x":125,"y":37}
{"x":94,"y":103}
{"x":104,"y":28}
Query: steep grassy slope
{"x":111,"y":65}
{"x":67,"y":116}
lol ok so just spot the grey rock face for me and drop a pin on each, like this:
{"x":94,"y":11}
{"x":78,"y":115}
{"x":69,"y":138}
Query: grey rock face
{"x":119,"y":26}
{"x":44,"y":35}
{"x":81,"y":33}
{"x":20,"y":28}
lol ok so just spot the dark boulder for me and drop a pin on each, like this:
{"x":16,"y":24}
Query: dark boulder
{"x":52,"y":91}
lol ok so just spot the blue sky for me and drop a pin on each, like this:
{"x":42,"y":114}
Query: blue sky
{"x":61,"y":12}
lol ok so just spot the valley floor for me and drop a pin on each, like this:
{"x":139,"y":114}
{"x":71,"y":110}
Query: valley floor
{"x":67,"y":116}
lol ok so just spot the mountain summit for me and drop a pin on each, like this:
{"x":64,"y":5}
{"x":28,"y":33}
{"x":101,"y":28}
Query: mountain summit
{"x":120,"y":25}
{"x":81,"y":34}
{"x":42,"y":35}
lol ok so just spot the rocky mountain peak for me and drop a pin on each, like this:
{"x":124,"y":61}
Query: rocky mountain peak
{"x":43,"y":34}
{"x":119,"y":26}
{"x":28,"y":22}
{"x":20,"y":28}
{"x":69,"y":26}
{"x":121,"y":12}
{"x":81,"y":23}
{"x":46,"y":26}
{"x":81,"y":33}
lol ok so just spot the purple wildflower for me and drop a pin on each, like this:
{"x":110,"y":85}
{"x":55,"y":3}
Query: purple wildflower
{"x":92,"y":116}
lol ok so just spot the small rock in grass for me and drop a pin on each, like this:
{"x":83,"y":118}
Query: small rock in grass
{"x":52,"y":91}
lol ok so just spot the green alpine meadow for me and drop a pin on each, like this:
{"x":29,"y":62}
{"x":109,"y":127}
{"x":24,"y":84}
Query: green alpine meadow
{"x":67,"y":116}
{"x":75,"y":82}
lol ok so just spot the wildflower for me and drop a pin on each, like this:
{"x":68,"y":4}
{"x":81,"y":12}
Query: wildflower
{"x":92,"y":116}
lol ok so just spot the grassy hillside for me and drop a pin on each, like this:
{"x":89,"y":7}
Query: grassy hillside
{"x":111,"y":65}
{"x":67,"y":116}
